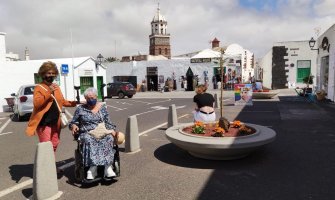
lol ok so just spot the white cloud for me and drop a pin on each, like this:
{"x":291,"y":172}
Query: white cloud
{"x":44,"y":26}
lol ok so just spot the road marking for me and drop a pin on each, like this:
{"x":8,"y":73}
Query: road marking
{"x":5,"y":133}
{"x":67,"y":165}
{"x":118,"y":109}
{"x":159,"y":101}
{"x":15,"y":187}
{"x":1,"y":118}
{"x":4,"y":126}
{"x":140,"y":101}
{"x":158,"y":126}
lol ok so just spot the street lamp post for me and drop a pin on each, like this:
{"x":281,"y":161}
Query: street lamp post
{"x":97,"y":63}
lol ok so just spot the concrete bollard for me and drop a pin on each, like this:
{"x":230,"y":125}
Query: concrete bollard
{"x":45,"y":185}
{"x":132,"y":143}
{"x":216,"y":104}
{"x":172,"y":117}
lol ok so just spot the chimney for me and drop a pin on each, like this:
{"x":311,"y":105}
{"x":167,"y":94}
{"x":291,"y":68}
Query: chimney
{"x":215,"y":43}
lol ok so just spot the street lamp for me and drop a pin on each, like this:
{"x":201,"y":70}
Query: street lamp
{"x":312,"y":44}
{"x":99,"y":61}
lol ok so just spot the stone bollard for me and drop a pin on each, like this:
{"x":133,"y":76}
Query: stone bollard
{"x":45,"y":185}
{"x":172,"y":117}
{"x":132,"y":143}
{"x":216,"y":104}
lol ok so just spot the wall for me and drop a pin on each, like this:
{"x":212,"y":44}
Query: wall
{"x":297,"y":50}
{"x":266,"y":64}
{"x":15,"y":74}
{"x":2,"y":47}
{"x":165,"y":68}
{"x":323,"y":51}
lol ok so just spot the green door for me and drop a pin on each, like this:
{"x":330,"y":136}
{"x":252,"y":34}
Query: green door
{"x":99,"y":84}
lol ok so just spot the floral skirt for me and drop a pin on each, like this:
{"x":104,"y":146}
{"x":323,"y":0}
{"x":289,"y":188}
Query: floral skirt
{"x":97,"y":152}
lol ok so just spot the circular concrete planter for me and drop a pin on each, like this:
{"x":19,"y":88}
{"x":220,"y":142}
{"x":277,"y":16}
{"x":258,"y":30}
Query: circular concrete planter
{"x":264,"y":95}
{"x":220,"y":148}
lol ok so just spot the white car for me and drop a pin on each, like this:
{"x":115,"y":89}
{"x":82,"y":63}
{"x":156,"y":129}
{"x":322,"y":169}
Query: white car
{"x":23,"y":102}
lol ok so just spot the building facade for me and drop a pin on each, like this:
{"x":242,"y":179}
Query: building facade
{"x":287,"y":64}
{"x":159,"y":39}
{"x":325,"y":75}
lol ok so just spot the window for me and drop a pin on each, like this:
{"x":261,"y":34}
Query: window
{"x":303,"y":69}
{"x":160,"y":51}
{"x":166,"y":51}
{"x":162,"y":31}
{"x":85,"y":82}
{"x":37,"y":78}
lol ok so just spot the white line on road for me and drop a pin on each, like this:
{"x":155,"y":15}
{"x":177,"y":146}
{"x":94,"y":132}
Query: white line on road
{"x":4,"y":126}
{"x":67,"y":165}
{"x":118,"y":109}
{"x":5,"y":133}
{"x":159,"y":101}
{"x":158,"y":126}
{"x":15,"y":187}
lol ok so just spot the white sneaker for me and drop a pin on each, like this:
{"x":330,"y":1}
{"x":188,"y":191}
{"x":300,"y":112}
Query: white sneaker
{"x":92,"y":173}
{"x":109,"y":171}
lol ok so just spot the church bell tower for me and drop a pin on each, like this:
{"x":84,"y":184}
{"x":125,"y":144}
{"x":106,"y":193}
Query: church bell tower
{"x":159,"y":38}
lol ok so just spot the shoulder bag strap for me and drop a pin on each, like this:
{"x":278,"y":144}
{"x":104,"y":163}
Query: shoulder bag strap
{"x":60,"y":111}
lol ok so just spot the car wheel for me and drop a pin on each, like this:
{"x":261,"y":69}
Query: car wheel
{"x":18,"y":117}
{"x":130,"y":96}
{"x":121,"y":95}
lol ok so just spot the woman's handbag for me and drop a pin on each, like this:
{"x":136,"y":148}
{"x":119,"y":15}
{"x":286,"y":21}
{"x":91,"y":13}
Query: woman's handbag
{"x":64,"y":122}
{"x":100,"y":130}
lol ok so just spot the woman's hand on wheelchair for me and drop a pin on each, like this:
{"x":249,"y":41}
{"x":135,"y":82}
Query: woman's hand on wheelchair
{"x":74,"y":129}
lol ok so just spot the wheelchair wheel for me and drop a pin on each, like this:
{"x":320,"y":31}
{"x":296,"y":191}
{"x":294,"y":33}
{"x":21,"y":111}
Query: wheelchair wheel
{"x":116,"y":163}
{"x":79,"y":173}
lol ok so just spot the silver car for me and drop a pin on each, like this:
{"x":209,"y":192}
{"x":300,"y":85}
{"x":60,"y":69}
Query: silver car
{"x":23,"y":103}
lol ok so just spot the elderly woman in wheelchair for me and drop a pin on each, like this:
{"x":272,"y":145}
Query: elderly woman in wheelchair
{"x":92,"y":126}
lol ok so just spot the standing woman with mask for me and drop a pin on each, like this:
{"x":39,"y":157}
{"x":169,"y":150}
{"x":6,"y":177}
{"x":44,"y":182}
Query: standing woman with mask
{"x":44,"y":120}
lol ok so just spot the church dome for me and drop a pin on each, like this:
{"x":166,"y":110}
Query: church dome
{"x":234,"y":49}
{"x":158,"y":17}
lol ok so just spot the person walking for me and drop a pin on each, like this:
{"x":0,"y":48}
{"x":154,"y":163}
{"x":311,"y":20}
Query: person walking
{"x":44,"y":120}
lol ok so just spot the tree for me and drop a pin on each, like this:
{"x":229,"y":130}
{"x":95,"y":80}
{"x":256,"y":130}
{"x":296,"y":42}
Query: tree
{"x":111,"y":59}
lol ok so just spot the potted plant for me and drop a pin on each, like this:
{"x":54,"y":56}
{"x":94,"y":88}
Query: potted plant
{"x":308,"y":80}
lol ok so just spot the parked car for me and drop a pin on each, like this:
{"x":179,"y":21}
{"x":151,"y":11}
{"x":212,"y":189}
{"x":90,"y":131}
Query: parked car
{"x":23,"y":101}
{"x":120,"y":89}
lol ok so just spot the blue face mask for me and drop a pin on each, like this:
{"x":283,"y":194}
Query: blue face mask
{"x":91,"y":102}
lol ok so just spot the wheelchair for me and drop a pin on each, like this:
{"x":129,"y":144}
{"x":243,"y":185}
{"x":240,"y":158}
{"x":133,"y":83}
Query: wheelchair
{"x":80,"y":170}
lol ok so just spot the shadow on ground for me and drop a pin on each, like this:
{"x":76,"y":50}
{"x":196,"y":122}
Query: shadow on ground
{"x":299,"y":164}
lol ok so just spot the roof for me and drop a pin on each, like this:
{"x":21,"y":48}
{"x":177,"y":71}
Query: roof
{"x":207,"y":53}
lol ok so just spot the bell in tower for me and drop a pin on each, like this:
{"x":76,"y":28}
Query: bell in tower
{"x":159,"y":38}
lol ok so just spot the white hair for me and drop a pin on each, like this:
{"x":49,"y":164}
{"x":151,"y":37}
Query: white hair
{"x":90,"y":90}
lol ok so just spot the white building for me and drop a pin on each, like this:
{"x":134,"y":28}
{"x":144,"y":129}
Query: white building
{"x":326,"y":62}
{"x":202,"y":67}
{"x":287,"y":63}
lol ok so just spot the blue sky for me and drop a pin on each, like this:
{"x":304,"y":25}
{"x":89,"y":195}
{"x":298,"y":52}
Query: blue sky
{"x":259,"y":4}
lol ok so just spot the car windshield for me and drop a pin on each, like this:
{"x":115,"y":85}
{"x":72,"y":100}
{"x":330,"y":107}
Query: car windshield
{"x":29,"y":90}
